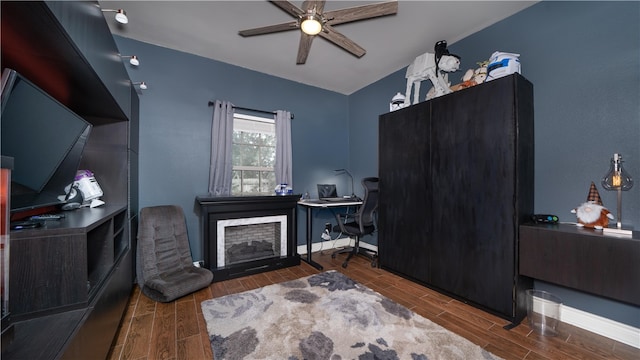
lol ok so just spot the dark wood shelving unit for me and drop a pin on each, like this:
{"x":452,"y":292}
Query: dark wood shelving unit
{"x":60,"y":273}
{"x":69,"y":281}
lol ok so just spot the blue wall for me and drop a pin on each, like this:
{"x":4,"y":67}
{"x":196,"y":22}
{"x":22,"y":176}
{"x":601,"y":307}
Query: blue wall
{"x":582,"y":57}
{"x":175,"y":126}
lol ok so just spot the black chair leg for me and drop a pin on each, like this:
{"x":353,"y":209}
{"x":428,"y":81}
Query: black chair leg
{"x":346,"y":262}
{"x":354,"y":251}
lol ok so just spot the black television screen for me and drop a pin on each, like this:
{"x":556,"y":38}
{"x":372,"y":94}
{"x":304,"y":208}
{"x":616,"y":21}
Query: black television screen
{"x":45,"y":139}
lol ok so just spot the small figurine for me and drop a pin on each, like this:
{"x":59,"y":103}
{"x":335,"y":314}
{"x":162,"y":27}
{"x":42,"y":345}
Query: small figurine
{"x":473,"y":77}
{"x":592,"y":214}
{"x":397,"y":102}
{"x":502,"y":64}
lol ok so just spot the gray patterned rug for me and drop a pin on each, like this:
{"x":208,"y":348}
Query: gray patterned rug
{"x":326,"y":316}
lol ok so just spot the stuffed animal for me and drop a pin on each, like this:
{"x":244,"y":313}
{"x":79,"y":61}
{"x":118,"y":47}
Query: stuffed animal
{"x":592,"y":214}
{"x":472,"y":77}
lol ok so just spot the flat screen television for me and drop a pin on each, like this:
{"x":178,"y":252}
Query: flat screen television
{"x":45,"y":139}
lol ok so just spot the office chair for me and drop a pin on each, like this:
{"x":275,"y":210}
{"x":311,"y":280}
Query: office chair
{"x":360,"y":223}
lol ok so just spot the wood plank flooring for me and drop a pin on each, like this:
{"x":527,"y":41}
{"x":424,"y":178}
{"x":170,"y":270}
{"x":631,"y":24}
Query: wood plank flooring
{"x":176,"y":330}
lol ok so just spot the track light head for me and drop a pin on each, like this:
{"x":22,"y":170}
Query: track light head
{"x":133,"y":60}
{"x":121,"y":15}
{"x":142,"y":84}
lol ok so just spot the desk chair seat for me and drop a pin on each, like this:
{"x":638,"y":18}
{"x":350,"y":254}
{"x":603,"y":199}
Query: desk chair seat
{"x":360,"y":223}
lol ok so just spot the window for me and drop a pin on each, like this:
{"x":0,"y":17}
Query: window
{"x":254,"y":155}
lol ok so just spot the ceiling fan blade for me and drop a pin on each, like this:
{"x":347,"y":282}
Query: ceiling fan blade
{"x":342,"y":41}
{"x":361,"y":12}
{"x":291,"y":25}
{"x":304,"y":47}
{"x":289,"y":8}
{"x":309,"y":4}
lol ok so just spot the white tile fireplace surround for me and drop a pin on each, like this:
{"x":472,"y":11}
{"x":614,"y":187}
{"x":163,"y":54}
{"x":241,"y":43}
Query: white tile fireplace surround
{"x":252,"y":238}
{"x":243,"y":235}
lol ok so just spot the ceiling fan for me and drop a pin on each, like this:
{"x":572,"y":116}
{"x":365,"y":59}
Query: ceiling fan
{"x":312,"y":20}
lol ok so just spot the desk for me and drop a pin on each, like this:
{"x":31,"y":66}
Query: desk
{"x":311,"y":204}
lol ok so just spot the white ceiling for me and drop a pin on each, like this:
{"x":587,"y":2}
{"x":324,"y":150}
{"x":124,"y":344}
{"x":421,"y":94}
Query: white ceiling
{"x":210,"y":29}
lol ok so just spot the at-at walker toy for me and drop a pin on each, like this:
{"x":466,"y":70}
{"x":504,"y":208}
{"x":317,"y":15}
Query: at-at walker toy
{"x":428,"y":66}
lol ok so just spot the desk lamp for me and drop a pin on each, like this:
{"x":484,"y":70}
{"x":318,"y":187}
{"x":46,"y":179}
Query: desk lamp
{"x":617,"y":179}
{"x":345,"y":171}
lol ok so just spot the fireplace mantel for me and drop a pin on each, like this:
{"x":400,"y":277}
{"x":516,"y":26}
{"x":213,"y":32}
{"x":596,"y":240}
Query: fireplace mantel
{"x":217,"y":210}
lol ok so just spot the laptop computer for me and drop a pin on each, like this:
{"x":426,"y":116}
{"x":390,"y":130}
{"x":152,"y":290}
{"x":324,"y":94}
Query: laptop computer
{"x":328,"y":192}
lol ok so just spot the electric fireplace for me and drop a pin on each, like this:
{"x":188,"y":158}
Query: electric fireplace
{"x":244,"y":235}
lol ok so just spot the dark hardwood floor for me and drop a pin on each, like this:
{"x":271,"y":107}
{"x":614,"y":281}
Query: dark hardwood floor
{"x":176,"y":330}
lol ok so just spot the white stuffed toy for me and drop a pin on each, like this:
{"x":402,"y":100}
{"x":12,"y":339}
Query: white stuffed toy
{"x":592,"y":214}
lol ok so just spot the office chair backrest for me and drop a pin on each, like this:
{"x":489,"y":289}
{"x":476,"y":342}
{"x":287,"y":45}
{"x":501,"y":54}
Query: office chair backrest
{"x":366,"y":215}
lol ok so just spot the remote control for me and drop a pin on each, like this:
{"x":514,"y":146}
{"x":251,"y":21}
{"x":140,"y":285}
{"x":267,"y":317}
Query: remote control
{"x":23,"y":225}
{"x":47,"y":217}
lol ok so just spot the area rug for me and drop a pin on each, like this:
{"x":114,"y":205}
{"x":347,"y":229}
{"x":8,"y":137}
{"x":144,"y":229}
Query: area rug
{"x":326,"y":316}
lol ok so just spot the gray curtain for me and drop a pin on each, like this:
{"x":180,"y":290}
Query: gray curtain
{"x":221,"y":164}
{"x":284,"y":164}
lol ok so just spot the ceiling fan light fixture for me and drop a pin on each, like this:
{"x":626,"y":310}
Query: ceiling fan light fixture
{"x":311,"y":24}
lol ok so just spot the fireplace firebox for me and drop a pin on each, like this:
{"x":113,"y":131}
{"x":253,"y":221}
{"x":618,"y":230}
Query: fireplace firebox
{"x":244,"y":235}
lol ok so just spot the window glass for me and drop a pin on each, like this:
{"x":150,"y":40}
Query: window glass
{"x":254,"y":155}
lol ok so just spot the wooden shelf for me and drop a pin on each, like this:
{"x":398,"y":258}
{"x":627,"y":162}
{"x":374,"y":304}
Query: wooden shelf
{"x":582,"y":259}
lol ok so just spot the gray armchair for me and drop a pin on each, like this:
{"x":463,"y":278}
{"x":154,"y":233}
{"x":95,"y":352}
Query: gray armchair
{"x":164,"y":265}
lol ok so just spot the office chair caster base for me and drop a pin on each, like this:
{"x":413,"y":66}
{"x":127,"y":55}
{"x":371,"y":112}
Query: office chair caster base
{"x":345,"y":264}
{"x":333,"y":256}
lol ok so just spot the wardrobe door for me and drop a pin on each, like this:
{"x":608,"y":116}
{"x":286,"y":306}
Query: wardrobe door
{"x":473,"y":179}
{"x":404,"y":171}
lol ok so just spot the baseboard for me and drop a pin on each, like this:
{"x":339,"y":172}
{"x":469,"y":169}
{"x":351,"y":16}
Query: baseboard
{"x":596,"y":324}
{"x":620,"y":332}
{"x":334,"y":244}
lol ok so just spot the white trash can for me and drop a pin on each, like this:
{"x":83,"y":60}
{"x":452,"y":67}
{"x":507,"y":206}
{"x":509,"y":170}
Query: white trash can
{"x":543,"y":312}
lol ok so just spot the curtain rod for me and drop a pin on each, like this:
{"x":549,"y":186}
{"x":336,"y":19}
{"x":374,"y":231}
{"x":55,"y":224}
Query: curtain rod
{"x":211,"y":103}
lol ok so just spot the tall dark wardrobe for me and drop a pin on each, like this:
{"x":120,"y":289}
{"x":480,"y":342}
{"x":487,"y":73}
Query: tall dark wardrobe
{"x":456,"y":180}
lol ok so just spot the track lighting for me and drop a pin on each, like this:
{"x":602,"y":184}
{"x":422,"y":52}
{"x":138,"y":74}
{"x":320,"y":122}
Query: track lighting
{"x":143,"y":85}
{"x":121,"y":15}
{"x":133,"y":60}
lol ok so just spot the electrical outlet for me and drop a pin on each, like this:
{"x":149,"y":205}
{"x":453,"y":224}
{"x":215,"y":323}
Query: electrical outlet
{"x":198,"y":263}
{"x":325,"y":235}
